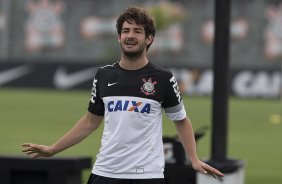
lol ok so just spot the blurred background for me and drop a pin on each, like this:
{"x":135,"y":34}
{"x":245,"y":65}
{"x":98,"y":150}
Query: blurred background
{"x":50,"y":50}
{"x":40,"y":35}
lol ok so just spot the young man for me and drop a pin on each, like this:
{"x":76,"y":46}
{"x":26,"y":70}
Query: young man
{"x":130,"y":96}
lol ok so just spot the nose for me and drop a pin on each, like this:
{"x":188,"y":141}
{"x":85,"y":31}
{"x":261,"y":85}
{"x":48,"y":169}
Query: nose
{"x":130,"y":34}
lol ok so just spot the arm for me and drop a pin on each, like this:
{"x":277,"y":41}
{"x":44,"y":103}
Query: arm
{"x":186,"y":135}
{"x":86,"y":125}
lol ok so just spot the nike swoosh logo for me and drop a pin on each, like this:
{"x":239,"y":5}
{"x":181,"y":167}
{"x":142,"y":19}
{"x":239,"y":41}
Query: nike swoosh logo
{"x":63,"y":80}
{"x":111,"y":84}
{"x":14,"y":73}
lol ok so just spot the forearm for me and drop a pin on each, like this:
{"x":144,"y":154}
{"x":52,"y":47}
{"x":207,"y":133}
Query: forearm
{"x":186,"y":135}
{"x":187,"y":138}
{"x":80,"y":131}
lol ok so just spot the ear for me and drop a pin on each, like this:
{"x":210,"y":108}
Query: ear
{"x":149,"y":39}
{"x":119,"y":38}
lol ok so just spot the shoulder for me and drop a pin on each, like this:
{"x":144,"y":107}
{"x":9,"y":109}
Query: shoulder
{"x":106,"y":68}
{"x":163,"y":71}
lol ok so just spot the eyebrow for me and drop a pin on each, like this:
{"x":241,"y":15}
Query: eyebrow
{"x":139,"y":29}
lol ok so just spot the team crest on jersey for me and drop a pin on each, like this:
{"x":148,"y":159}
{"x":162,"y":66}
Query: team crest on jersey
{"x":148,"y":88}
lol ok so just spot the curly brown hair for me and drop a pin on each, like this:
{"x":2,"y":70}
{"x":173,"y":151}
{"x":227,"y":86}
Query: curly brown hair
{"x":141,"y":17}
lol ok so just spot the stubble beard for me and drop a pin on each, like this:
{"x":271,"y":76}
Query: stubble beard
{"x":133,"y":54}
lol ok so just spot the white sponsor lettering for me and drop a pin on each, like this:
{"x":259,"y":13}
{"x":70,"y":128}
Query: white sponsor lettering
{"x":175,"y":87}
{"x":94,"y":91}
{"x":204,"y":86}
{"x":245,"y":83}
{"x":261,"y":84}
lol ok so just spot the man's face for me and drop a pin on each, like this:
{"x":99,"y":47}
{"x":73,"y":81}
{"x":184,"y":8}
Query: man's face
{"x":132,"y":39}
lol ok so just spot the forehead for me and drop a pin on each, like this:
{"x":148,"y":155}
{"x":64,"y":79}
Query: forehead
{"x":131,"y":24}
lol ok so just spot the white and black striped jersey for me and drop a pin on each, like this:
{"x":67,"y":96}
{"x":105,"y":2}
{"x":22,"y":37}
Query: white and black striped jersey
{"x":131,"y":102}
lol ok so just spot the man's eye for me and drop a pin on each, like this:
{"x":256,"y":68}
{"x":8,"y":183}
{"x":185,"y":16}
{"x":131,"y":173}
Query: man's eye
{"x":138,"y":31}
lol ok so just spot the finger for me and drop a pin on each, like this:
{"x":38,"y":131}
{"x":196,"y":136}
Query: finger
{"x":214,"y":171}
{"x":26,"y":150}
{"x":217,"y":172}
{"x":30,"y":152}
{"x":32,"y":145}
{"x":26,"y":145}
{"x":199,"y":168}
{"x":36,"y":155}
{"x":202,"y":170}
{"x":212,"y":174}
{"x":29,"y":148}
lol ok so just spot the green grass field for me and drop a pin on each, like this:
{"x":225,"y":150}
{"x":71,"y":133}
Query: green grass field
{"x":43,"y":116}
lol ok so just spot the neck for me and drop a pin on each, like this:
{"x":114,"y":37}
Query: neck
{"x":133,"y":63}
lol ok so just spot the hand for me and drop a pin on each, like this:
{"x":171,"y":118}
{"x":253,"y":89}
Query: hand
{"x":204,"y":168}
{"x":36,"y":150}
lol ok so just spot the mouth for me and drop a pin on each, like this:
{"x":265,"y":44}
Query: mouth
{"x":130,"y":43}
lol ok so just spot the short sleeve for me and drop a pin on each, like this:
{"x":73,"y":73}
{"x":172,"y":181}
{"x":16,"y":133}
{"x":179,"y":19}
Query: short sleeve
{"x":173,"y":104}
{"x":96,"y":104}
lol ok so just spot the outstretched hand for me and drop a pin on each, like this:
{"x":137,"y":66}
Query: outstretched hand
{"x":206,"y":169}
{"x":36,"y":150}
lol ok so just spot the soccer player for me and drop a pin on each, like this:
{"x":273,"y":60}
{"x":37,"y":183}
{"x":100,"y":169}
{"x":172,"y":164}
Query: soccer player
{"x":130,"y":96}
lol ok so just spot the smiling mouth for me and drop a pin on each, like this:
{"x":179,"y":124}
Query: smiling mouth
{"x":130,"y":43}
